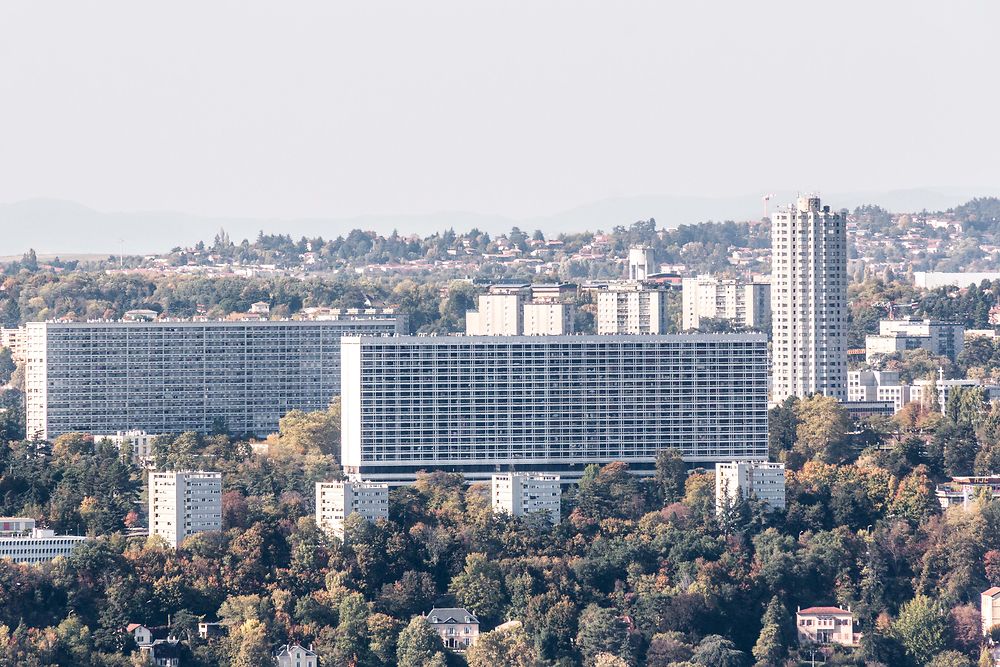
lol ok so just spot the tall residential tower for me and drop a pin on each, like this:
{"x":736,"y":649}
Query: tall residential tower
{"x":809,"y":301}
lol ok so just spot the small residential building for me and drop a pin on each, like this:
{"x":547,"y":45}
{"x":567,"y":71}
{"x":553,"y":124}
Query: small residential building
{"x":142,"y":635}
{"x":745,"y":479}
{"x":457,"y":627}
{"x":23,"y":543}
{"x":212,"y":630}
{"x":988,"y":334}
{"x":826,"y":625}
{"x":163,"y":652}
{"x":963,"y":491}
{"x":183,"y":503}
{"x":521,"y":493}
{"x":335,"y":501}
{"x":295,"y":655}
{"x":990,"y":609}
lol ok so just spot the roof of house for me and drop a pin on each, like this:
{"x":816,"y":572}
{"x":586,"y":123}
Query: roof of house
{"x":451,"y":615}
{"x":132,"y":627}
{"x":287,"y":649}
{"x":162,"y":648}
{"x":824,"y":610}
{"x":992,"y":592}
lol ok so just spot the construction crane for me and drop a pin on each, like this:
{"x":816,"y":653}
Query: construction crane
{"x":890,"y":306}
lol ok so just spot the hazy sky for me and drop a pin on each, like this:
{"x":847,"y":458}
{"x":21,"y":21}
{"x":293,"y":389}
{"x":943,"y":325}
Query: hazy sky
{"x":328,"y":108}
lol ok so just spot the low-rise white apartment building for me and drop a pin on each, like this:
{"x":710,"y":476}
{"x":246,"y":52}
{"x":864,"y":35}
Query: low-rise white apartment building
{"x":741,"y":302}
{"x":22,"y":543}
{"x":138,"y":444}
{"x":184,"y":503}
{"x":632,"y":308}
{"x":963,"y":491}
{"x":335,"y":501}
{"x":521,"y":309}
{"x":757,"y":479}
{"x":870,"y":386}
{"x":944,"y":339}
{"x":935,"y":279}
{"x":521,"y":493}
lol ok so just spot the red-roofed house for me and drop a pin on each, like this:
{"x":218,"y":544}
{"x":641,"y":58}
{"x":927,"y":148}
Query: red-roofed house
{"x":990,"y":609}
{"x":826,"y":625}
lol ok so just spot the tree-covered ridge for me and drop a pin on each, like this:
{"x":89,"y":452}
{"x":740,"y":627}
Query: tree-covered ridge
{"x":639,"y":572}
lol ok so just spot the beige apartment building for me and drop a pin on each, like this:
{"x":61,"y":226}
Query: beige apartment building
{"x":809,"y":301}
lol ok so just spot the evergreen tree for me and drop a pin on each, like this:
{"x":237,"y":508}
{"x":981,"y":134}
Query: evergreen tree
{"x":771,"y":647}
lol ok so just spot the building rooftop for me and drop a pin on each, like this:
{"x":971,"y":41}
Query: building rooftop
{"x":451,"y":615}
{"x":824,"y":610}
{"x":287,"y":649}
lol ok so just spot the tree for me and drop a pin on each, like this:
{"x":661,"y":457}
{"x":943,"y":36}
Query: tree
{"x":782,"y":425}
{"x":602,"y":630}
{"x":770,"y":648}
{"x":510,"y":647}
{"x":479,"y":587}
{"x":311,"y":432}
{"x":351,"y":643}
{"x":965,"y":625}
{"x":950,"y":659}
{"x":716,"y":651}
{"x":666,"y":648}
{"x":671,"y":473}
{"x":822,"y":428}
{"x":921,"y":628}
{"x":382,"y":633}
{"x":7,"y":366}
{"x":420,"y":646}
{"x":248,"y":646}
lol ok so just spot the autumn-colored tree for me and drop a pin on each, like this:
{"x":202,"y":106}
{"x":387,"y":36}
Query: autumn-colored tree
{"x":479,"y":587}
{"x":503,"y":646}
{"x":821,"y":430}
{"x":420,"y":646}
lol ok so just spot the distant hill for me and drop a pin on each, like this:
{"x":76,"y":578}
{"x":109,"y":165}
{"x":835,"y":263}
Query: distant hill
{"x":53,"y":226}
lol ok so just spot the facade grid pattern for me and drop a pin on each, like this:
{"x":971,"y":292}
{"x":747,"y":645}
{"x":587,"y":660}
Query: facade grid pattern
{"x":546,"y":404}
{"x":170,"y":377}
